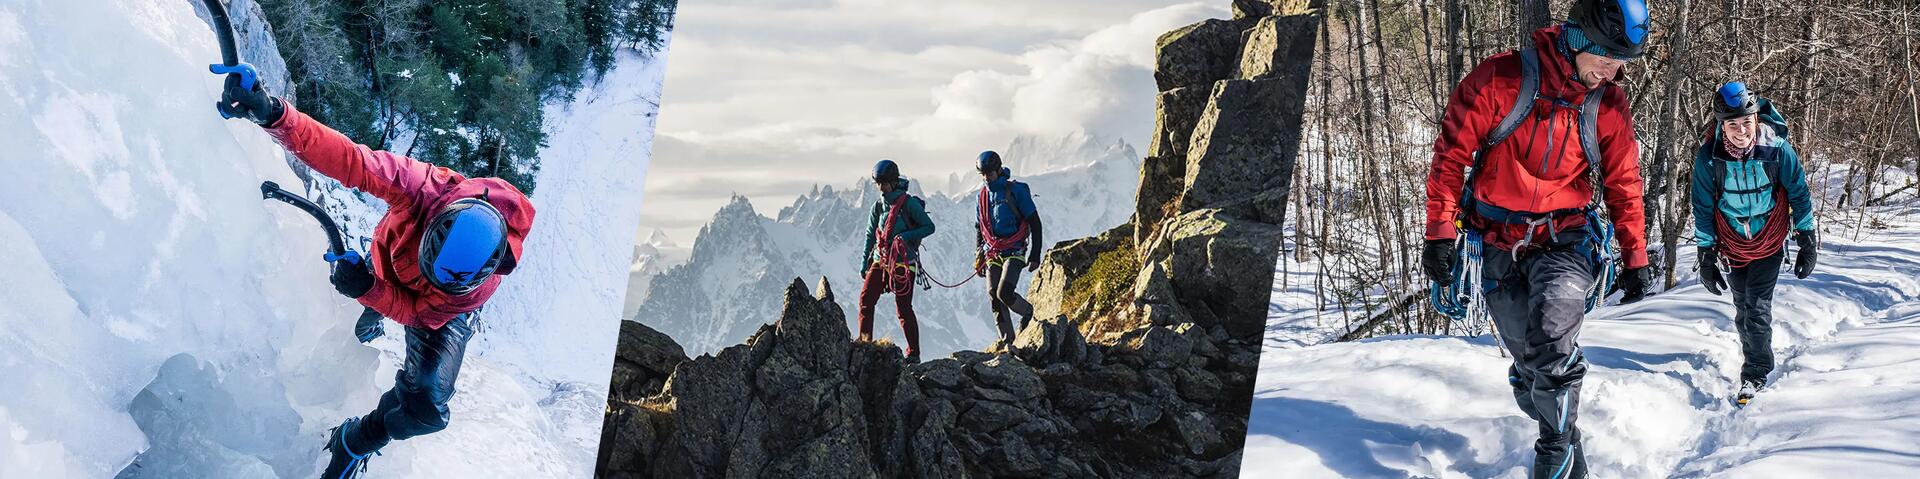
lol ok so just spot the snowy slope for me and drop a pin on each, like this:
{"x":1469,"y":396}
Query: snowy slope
{"x":1657,"y":402}
{"x":742,"y":259}
{"x":161,"y":320}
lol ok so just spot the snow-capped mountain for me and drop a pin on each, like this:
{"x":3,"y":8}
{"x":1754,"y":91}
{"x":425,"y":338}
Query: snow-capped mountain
{"x":650,"y":258}
{"x":162,"y":320}
{"x":743,"y":259}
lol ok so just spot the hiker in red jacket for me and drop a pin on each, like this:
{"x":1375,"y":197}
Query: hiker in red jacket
{"x":437,"y":256}
{"x":1536,"y":142}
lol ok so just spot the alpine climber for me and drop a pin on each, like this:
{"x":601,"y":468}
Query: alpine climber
{"x":1748,"y":191}
{"x":436,"y":257}
{"x":1536,"y":198}
{"x":1006,"y":236}
{"x":890,"y":262}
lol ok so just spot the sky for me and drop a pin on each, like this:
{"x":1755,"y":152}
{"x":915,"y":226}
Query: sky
{"x":766,"y":99}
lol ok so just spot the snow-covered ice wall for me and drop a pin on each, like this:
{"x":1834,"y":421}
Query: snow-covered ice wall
{"x":159,"y":319}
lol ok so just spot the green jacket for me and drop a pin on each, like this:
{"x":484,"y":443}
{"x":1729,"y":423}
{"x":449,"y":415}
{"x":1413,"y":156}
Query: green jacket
{"x":912,"y":225}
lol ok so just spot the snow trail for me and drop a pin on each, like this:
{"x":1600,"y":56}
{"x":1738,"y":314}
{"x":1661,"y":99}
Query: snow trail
{"x":1657,"y":400}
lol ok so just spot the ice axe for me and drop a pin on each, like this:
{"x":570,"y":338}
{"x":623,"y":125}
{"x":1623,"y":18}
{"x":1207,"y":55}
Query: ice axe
{"x":229,"y":57}
{"x":336,"y":247}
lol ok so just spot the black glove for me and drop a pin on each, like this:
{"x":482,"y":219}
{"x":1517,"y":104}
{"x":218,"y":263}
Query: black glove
{"x":368,"y":326}
{"x":1437,"y":259}
{"x":351,"y":279}
{"x":252,"y":104}
{"x":1634,"y":285}
{"x":1033,"y":261}
{"x":1809,"y":244}
{"x":1708,"y":263}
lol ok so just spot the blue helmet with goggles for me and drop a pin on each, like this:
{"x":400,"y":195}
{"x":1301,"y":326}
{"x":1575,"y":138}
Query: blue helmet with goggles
{"x":462,"y":245}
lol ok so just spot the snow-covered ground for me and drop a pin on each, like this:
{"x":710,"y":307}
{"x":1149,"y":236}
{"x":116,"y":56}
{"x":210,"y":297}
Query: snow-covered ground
{"x":159,"y":319}
{"x":1657,"y":401}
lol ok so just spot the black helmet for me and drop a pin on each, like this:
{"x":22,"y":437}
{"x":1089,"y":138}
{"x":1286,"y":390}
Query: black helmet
{"x":1734,"y":100}
{"x":886,"y":172}
{"x":988,"y":161}
{"x":1617,"y":26}
{"x":462,"y":246}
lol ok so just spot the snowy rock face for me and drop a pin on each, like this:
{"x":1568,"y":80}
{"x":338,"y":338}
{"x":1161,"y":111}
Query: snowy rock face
{"x":730,"y":284}
{"x":1141,"y":366}
{"x":162,"y":320}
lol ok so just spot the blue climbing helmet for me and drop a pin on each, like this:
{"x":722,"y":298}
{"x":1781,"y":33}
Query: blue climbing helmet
{"x":462,"y":245}
{"x":886,"y":171}
{"x":1615,"y":28}
{"x":1734,"y":100}
{"x":988,"y":161}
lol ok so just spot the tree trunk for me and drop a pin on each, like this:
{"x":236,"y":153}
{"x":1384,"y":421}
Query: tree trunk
{"x":1529,"y":15}
{"x":1666,"y":132}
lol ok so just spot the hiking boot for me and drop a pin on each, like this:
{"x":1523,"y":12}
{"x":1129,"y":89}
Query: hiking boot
{"x":1747,"y":390}
{"x":347,"y":462}
{"x":913,"y":357}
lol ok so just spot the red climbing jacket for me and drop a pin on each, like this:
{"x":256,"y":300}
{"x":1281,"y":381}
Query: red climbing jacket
{"x":413,"y":190}
{"x":1541,"y":167}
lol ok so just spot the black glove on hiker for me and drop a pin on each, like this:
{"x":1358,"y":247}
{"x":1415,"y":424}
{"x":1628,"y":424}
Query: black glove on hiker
{"x":1809,"y":245}
{"x":351,"y":279}
{"x":1437,"y":259}
{"x":1708,"y":263}
{"x":252,"y":104}
{"x":1633,"y":284}
{"x":1033,"y":261}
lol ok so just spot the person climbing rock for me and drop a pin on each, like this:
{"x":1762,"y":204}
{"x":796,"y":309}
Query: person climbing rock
{"x":891,"y":258}
{"x":1541,"y":127}
{"x":1006,"y":237}
{"x":437,"y":256}
{"x":1749,"y":190}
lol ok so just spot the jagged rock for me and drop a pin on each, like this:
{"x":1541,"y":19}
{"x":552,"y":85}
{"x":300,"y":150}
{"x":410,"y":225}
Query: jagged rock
{"x":1197,"y":432}
{"x":642,"y":361}
{"x":710,"y":394}
{"x":1050,"y":340}
{"x":1068,"y":260}
{"x":1009,"y":374}
{"x":1197,"y":54}
{"x":1224,"y":268}
{"x":1275,"y":45}
{"x":1245,"y":142}
{"x":1245,"y":9}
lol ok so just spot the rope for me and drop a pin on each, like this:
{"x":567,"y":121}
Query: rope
{"x":1000,"y":261}
{"x":1739,"y":251}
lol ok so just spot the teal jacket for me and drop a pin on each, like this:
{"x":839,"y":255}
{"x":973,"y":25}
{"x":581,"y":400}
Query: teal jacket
{"x":912,"y":225}
{"x":1745,"y":193}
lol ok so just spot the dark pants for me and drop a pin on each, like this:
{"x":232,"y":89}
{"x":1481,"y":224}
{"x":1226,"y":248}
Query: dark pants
{"x":1003,"y":286}
{"x":1538,"y":303}
{"x":417,"y":404}
{"x":874,"y":285}
{"x":1752,"y":287}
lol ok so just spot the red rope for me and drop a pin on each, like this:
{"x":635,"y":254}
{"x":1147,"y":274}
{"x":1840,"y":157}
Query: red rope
{"x":1740,"y":251}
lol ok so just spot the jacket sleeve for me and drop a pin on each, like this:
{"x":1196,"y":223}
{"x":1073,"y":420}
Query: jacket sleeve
{"x":1794,"y":177}
{"x":917,"y":210}
{"x":873,"y":228}
{"x":396,"y":179}
{"x":1461,"y":129}
{"x":1702,"y":196}
{"x":1620,"y":162}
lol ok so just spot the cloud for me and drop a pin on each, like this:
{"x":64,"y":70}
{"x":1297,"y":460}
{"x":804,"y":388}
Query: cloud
{"x":780,"y":95}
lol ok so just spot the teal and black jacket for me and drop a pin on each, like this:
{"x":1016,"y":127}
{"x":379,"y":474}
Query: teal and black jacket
{"x":1744,"y":189}
{"x":911,"y":225}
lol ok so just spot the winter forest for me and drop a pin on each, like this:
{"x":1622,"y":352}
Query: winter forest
{"x":457,"y":83}
{"x":1843,"y":72}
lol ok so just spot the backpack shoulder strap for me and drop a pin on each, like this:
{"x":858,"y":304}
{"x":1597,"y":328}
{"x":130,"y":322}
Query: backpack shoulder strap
{"x":1522,"y":99}
{"x":1590,"y":140}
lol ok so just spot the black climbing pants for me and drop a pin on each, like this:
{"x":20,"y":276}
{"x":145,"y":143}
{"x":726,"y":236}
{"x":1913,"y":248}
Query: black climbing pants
{"x":1752,"y":287}
{"x":1538,"y":302}
{"x":1003,"y":287}
{"x":417,"y":404}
